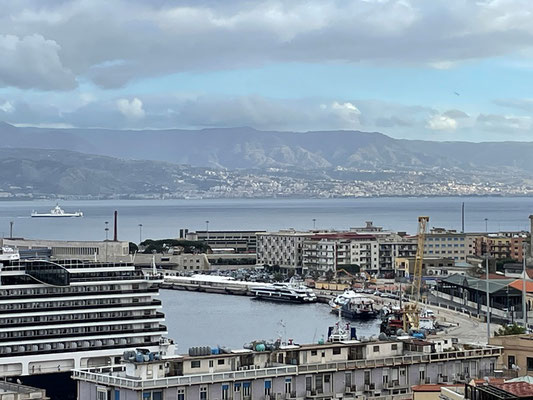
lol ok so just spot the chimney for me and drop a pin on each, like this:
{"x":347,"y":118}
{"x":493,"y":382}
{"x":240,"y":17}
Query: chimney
{"x":531,"y":235}
{"x":115,"y":233}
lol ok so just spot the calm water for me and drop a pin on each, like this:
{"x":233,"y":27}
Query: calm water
{"x":205,"y":319}
{"x":164,"y":218}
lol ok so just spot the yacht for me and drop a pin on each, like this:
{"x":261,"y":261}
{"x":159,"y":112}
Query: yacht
{"x":59,"y":315}
{"x":288,"y":292}
{"x":56,"y":212}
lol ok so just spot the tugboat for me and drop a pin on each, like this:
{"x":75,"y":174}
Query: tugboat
{"x":56,"y":212}
{"x":392,"y":321}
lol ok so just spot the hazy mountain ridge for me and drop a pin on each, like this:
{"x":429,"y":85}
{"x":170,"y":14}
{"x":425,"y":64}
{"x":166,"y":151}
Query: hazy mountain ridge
{"x":245,"y":148}
{"x":48,"y":173}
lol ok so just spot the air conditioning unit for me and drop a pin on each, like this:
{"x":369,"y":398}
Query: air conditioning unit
{"x":370,"y":387}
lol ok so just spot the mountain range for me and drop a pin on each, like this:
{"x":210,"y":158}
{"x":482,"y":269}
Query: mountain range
{"x":244,"y":162}
{"x":245,"y":148}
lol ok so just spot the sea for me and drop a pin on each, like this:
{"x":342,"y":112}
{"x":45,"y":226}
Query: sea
{"x":164,"y":218}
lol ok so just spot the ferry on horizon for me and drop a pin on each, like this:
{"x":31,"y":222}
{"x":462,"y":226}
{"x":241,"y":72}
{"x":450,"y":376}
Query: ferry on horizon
{"x":56,"y":212}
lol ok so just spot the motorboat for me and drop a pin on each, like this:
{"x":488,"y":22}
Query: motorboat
{"x":287,"y":292}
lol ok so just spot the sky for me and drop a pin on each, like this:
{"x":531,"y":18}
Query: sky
{"x":414,"y":69}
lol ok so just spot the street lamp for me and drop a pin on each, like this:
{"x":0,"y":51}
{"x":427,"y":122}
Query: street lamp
{"x":314,"y":223}
{"x":140,"y":233}
{"x":486,"y":225}
{"x":207,"y":229}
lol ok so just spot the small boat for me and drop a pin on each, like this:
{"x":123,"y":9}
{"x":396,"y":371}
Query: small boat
{"x":341,"y":332}
{"x":9,"y":254}
{"x":354,"y":305}
{"x":56,"y":212}
{"x":287,"y":292}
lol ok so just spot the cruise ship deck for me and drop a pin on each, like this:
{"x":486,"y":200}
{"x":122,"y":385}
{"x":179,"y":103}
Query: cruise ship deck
{"x":59,"y":315}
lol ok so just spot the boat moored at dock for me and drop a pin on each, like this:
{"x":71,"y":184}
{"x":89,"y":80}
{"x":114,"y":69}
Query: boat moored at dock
{"x":354,"y":305}
{"x":286,"y":292}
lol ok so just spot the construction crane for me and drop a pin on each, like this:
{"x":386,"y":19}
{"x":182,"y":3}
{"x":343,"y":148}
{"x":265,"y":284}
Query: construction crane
{"x":412,"y":310}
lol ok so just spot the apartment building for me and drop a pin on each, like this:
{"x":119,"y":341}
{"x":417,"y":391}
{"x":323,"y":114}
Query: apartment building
{"x":449,"y":244}
{"x":283,"y":248}
{"x":392,"y":247}
{"x":240,"y":242}
{"x":347,"y":370}
{"x":501,"y":245}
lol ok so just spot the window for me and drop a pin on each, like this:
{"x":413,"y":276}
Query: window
{"x":237,"y":387}
{"x":529,"y":363}
{"x":313,"y":352}
{"x":246,"y":389}
{"x":181,"y":394}
{"x":157,"y":395}
{"x":220,"y":362}
{"x":117,"y":394}
{"x":203,"y":393}
{"x":225,"y":388}
{"x":288,"y":385}
{"x":268,"y":387}
{"x":394,"y":347}
{"x":211,"y":363}
{"x":511,"y":361}
{"x":376,"y":349}
{"x":195,"y":364}
{"x":308,"y":383}
{"x":337,"y":350}
{"x":101,"y":393}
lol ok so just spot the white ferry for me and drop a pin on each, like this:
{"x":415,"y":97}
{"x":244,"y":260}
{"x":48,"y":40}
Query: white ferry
{"x":289,"y":292}
{"x":56,"y":212}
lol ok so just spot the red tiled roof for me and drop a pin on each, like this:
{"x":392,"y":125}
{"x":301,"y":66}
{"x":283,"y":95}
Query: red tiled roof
{"x":519,"y":389}
{"x":519,"y":284}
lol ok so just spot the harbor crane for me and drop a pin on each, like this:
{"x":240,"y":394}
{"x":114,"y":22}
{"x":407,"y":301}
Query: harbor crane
{"x":412,"y":310}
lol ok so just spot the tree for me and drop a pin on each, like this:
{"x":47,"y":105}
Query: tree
{"x":133,"y":248}
{"x":511,"y":329}
{"x":329,"y":275}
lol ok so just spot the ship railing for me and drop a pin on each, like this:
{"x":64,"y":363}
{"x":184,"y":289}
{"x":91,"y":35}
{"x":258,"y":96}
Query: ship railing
{"x":104,"y":376}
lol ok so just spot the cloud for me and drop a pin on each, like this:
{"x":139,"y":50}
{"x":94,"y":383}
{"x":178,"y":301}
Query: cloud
{"x":456,"y":114}
{"x":131,"y":108}
{"x":7,"y":107}
{"x":33,"y":62}
{"x":517,"y":104}
{"x":505,"y":123}
{"x":50,"y":45}
{"x":442,"y":123}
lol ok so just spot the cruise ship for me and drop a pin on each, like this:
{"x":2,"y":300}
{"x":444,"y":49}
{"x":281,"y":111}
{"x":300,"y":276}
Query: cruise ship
{"x":56,"y":316}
